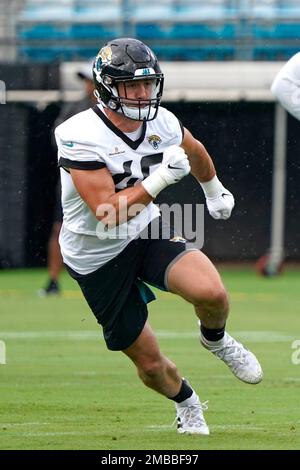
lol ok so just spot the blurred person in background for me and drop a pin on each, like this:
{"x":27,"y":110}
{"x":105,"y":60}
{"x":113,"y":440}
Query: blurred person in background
{"x":54,"y":258}
{"x":286,"y":86}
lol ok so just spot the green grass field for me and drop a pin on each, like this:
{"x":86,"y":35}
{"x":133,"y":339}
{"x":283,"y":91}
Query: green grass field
{"x":62,"y":389}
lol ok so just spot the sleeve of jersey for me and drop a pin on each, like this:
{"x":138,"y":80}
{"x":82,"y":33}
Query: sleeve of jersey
{"x":79,"y":156}
{"x":175,"y":128}
{"x":286,"y":86}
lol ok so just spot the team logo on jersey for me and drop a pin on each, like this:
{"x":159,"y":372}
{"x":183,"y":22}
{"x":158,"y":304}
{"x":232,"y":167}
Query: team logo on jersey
{"x":154,"y":140}
{"x":178,"y":240}
{"x":68,"y":144}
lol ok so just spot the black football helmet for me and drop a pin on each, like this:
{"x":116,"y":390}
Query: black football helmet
{"x":124,"y":60}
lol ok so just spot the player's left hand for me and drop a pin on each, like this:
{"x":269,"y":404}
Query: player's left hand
{"x":219,"y":200}
{"x":220,"y":206}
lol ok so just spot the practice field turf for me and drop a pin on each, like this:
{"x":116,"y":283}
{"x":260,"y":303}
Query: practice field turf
{"x":62,"y":389}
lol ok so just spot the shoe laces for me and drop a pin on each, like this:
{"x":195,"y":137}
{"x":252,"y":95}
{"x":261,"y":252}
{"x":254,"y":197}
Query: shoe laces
{"x":232,"y":352}
{"x":191,"y":415}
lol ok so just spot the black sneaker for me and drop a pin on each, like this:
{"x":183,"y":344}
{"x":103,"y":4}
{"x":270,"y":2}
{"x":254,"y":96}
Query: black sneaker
{"x":51,"y":289}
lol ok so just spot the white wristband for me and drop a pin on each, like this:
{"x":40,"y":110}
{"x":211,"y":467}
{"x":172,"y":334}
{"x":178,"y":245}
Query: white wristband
{"x":154,"y":184}
{"x":212,"y":188}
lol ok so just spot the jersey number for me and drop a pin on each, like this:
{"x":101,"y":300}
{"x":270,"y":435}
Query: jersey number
{"x":146,"y":162}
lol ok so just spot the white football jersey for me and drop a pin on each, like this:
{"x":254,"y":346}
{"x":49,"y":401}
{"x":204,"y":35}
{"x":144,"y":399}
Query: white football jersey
{"x":286,"y":86}
{"x":89,"y":141}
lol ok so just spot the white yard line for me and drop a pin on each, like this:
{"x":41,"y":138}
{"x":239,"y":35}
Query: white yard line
{"x":11,"y":425}
{"x":62,"y":433}
{"x":83,"y":335}
{"x":215,"y":427}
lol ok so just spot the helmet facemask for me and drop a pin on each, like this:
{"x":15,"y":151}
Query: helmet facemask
{"x":139,"y":109}
{"x":118,"y":92}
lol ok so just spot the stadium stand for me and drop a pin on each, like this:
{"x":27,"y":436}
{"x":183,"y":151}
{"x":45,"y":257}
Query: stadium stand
{"x":275,"y":26}
{"x":9,"y":11}
{"x":175,"y":29}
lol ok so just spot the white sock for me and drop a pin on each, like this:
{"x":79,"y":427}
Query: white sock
{"x":193,"y":400}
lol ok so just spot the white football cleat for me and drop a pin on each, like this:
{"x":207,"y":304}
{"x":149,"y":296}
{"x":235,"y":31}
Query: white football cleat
{"x":190,"y":419}
{"x":242,"y":363}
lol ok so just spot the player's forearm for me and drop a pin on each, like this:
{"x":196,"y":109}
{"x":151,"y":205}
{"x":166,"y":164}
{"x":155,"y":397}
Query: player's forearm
{"x":123,"y":206}
{"x":202,"y":167}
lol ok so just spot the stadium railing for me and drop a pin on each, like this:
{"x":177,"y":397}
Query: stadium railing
{"x":175,"y":29}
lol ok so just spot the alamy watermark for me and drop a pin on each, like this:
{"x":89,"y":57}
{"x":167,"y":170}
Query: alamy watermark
{"x":2,"y":92}
{"x":296,"y":354}
{"x":2,"y":352}
{"x":124,"y":222}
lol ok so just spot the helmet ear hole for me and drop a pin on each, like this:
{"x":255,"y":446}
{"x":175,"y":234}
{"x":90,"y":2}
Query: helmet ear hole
{"x":104,"y":93}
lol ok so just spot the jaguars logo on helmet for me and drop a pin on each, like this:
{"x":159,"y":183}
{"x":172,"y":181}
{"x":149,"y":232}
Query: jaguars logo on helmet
{"x":103,"y":58}
{"x":106,"y":55}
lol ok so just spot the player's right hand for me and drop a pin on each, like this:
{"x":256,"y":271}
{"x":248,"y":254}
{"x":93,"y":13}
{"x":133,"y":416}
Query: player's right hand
{"x":174,"y":167}
{"x":175,"y":164}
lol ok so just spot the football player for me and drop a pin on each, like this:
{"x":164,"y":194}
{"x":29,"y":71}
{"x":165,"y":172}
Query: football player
{"x":115,"y":159}
{"x":286,"y":86}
